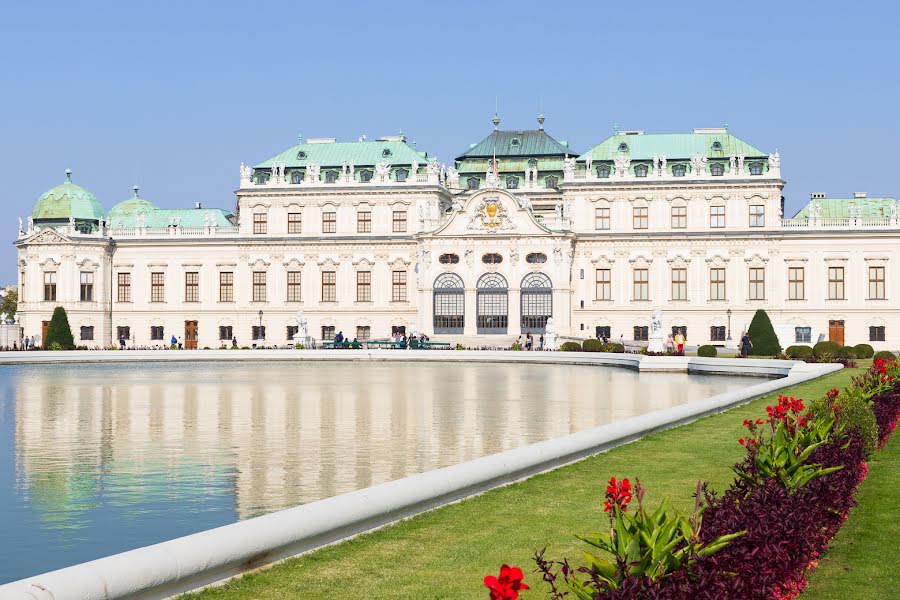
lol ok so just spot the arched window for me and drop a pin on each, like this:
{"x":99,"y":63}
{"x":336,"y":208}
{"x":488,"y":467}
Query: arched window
{"x":756,"y":168}
{"x":536,"y":258}
{"x":262,"y":178}
{"x":552,"y":181}
{"x":449,"y":303}
{"x":448,"y":259}
{"x":678,"y":170}
{"x":296,"y":176}
{"x":492,"y":258}
{"x":640,"y":171}
{"x":331,"y":176}
{"x":512,"y":182}
{"x":492,"y":302}
{"x":365,"y":176}
{"x":472,"y":182}
{"x":537,"y":302}
{"x":717,"y":169}
{"x":401,"y":174}
{"x":603,"y":171}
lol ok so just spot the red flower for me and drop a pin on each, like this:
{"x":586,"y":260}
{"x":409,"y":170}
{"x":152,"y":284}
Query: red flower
{"x":508,"y":585}
{"x":617,"y":494}
{"x":742,"y":442}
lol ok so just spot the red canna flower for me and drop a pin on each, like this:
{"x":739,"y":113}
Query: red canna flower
{"x":507,"y":585}
{"x":618,"y":493}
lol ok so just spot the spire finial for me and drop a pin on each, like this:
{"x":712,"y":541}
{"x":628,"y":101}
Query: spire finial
{"x":616,"y":128}
{"x":136,"y":190}
{"x":68,"y":174}
{"x":726,"y":125}
{"x":496,"y":121}
{"x":300,"y":137}
{"x":541,"y":121}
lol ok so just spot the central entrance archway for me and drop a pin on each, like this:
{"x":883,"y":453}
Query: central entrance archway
{"x":537,"y":302}
{"x":492,"y":304}
{"x":449,"y":304}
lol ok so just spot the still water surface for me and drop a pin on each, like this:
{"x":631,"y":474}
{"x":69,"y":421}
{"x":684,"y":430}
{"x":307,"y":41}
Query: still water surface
{"x":98,"y":459}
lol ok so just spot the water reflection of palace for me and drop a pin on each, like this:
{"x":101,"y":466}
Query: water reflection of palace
{"x":276,"y":436}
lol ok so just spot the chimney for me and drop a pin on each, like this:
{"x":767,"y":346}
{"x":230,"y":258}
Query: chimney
{"x":197,"y":205}
{"x":817,"y":196}
{"x":859,"y":194}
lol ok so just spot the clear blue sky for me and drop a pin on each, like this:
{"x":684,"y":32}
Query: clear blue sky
{"x":173,"y":96}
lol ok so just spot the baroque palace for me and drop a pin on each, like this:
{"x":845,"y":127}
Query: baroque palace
{"x":375,"y":237}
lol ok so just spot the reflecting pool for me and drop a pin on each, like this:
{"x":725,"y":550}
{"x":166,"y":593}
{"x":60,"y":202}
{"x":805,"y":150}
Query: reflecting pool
{"x":98,"y":459}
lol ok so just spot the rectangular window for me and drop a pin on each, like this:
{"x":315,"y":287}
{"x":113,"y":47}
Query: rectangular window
{"x":398,"y":286}
{"x":796,"y":283}
{"x":363,"y":332}
{"x":679,"y":284}
{"x":399,"y":221}
{"x":329,"y":286}
{"x":87,"y":286}
{"x":717,"y":284}
{"x":364,"y":221}
{"x":329,"y":222}
{"x":757,"y":215}
{"x":757,"y":283}
{"x":87,"y":332}
{"x":604,"y":284}
{"x":226,"y":286}
{"x":876,"y":283}
{"x":260,"y":223}
{"x":835,"y":283}
{"x":258,"y":332}
{"x":259,"y":286}
{"x":157,"y":287}
{"x":192,"y":286}
{"x":640,"y":217}
{"x":292,"y":330}
{"x":803,"y":335}
{"x":363,"y":286}
{"x":156,"y":332}
{"x":717,"y":216}
{"x":225,"y":332}
{"x":604,"y":332}
{"x":293,"y":286}
{"x":123,"y":333}
{"x":124,"y":294}
{"x":641,"y":284}
{"x":328,"y":332}
{"x":295,"y":222}
{"x":601,"y":218}
{"x":679,"y":217}
{"x":50,"y":285}
{"x":876,"y":334}
{"x":641,"y":333}
{"x":717,"y":333}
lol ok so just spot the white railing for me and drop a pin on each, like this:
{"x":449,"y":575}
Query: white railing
{"x":346,"y":181}
{"x":841,"y":223}
{"x":161,"y":232}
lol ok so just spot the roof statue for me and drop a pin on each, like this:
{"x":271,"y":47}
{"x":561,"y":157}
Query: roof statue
{"x":383,"y":168}
{"x":246,"y":173}
{"x":20,"y":225}
{"x":774,"y":160}
{"x":740,"y":164}
{"x":312,"y":172}
{"x":452,"y":177}
{"x":732,"y":164}
{"x":622,"y":163}
{"x":698,"y":165}
{"x":569,"y":167}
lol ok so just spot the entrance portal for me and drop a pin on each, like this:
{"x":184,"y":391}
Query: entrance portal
{"x":492,"y":304}
{"x":190,"y":335}
{"x":836,"y":332}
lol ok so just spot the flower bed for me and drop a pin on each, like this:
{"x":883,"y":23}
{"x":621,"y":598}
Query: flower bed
{"x":764,"y":534}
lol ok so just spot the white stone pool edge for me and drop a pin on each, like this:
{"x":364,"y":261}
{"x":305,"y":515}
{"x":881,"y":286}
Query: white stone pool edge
{"x":190,"y":562}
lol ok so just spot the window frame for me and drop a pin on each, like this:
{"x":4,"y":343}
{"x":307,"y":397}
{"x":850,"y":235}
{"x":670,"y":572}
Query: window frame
{"x":678,"y":221}
{"x":757,"y":215}
{"x":398,"y":286}
{"x":192,"y":286}
{"x":717,"y":216}
{"x":756,"y":283}
{"x":226,"y":286}
{"x":795,"y":285}
{"x":603,"y":284}
{"x":640,"y":288}
{"x":877,"y":274}
{"x":329,"y":221}
{"x":717,"y":287}
{"x":295,"y":222}
{"x":679,"y":283}
{"x":123,"y":286}
{"x":802,"y":334}
{"x":86,"y":286}
{"x":602,"y":218}
{"x":258,"y":286}
{"x":329,"y":286}
{"x":398,"y":221}
{"x":50,"y":282}
{"x":364,"y":221}
{"x":640,"y":217}
{"x":837,"y":289}
{"x":157,"y":286}
{"x":876,"y":333}
{"x":260,"y":223}
{"x":89,"y":329}
{"x":294,"y":286}
{"x":364,"y":286}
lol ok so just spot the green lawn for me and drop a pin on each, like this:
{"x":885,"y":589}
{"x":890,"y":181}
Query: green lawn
{"x":445,"y":553}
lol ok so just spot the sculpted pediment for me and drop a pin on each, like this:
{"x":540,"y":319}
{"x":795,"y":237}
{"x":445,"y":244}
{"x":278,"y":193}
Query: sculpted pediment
{"x":47,"y":236}
{"x":491,"y":212}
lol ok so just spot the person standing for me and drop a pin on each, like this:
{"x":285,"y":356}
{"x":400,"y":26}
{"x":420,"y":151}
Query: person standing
{"x":173,"y":341}
{"x":679,"y":342}
{"x":670,"y":343}
{"x":746,"y":345}
{"x":234,"y":342}
{"x":541,"y":343}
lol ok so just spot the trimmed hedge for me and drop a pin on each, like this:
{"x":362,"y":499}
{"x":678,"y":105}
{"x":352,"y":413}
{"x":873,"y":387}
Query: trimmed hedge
{"x":707,"y":351}
{"x":864,"y":351}
{"x":614,"y":348}
{"x":570,"y":347}
{"x":826,"y":348}
{"x":846,"y":352}
{"x":800,"y":352}
{"x":592,"y":345}
{"x":762,"y":335}
{"x":59,"y":332}
{"x":855,"y":413}
{"x":885,"y":354}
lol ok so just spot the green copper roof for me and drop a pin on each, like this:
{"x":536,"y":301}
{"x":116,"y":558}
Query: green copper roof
{"x":132,"y":206}
{"x":160,"y":217}
{"x":361,"y":154}
{"x":533,"y":142}
{"x":839,"y":208}
{"x":67,"y":200}
{"x":673,"y":146}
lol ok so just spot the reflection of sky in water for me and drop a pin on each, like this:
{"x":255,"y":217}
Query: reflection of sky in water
{"x":97,"y":459}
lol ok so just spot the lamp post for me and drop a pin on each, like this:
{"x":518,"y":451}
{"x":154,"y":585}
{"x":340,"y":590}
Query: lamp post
{"x":727,"y":312}
{"x":261,"y":336}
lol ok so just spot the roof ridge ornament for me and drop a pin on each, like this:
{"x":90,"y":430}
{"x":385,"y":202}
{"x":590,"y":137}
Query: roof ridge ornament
{"x":69,"y":175}
{"x":136,"y":190}
{"x":540,"y":121}
{"x":496,"y":121}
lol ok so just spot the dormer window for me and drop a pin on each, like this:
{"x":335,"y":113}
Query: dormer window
{"x":296,"y":176}
{"x":386,"y":152}
{"x":640,"y":171}
{"x":472,"y":183}
{"x":603,"y":171}
{"x":492,"y":258}
{"x":678,"y":170}
{"x":756,"y":168}
{"x":512,"y":182}
{"x":401,"y":174}
{"x":532,"y":163}
{"x":623,"y":147}
{"x":717,"y":169}
{"x":365,"y":176}
{"x":551,"y":182}
{"x":717,"y":145}
{"x":301,"y":155}
{"x":262,"y":178}
{"x":331,"y":176}
{"x":514,"y":142}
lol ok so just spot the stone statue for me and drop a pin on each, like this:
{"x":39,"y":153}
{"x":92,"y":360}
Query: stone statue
{"x":558,"y":208}
{"x":655,"y":160}
{"x":894,"y":210}
{"x":470,"y":257}
{"x":433,"y":168}
{"x":569,"y":167}
{"x":20,"y":225}
{"x":774,"y":160}
{"x":656,"y":335}
{"x":732,"y":165}
{"x":551,"y":339}
{"x":312,"y":172}
{"x":524,"y":203}
{"x":740,"y":164}
{"x":622,"y":162}
{"x":302,"y":334}
{"x":383,"y":168}
{"x":30,"y":223}
{"x":452,"y":177}
{"x":71,"y":222}
{"x":698,"y":165}
{"x":492,"y":179}
{"x":246,"y":174}
{"x":662,"y":164}
{"x":588,"y":162}
{"x":141,"y":219}
{"x":456,"y":205}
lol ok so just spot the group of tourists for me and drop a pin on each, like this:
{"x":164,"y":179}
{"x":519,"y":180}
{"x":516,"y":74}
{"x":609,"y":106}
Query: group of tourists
{"x":675,"y":343}
{"x":528,"y":343}
{"x":26,"y":343}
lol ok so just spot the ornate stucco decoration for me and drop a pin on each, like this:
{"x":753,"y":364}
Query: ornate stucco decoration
{"x":490,"y":215}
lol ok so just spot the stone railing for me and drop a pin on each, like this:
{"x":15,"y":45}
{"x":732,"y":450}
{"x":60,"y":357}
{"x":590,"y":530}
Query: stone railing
{"x":165,"y":232}
{"x":346,"y":181}
{"x":841,"y":223}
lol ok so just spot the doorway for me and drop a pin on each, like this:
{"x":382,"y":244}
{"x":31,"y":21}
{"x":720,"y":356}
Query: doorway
{"x":45,"y":325}
{"x":836,"y":332}
{"x":190,"y":335}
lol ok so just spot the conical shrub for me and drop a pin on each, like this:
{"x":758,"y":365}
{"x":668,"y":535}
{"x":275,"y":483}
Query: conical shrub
{"x":59,"y":331}
{"x":762,"y":335}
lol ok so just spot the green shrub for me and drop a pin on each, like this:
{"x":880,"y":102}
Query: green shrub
{"x":707,"y":351}
{"x":55,"y":346}
{"x":762,"y":335}
{"x":592,"y":345}
{"x":855,"y":413}
{"x":570,"y":347}
{"x":460,"y":347}
{"x":516,"y":347}
{"x":826,"y":348}
{"x":846,"y":352}
{"x":58,"y":331}
{"x":799,"y":352}
{"x":614,"y":347}
{"x":864,"y":351}
{"x":885,"y":354}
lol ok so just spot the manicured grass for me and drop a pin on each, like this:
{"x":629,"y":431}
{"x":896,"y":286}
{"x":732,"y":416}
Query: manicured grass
{"x":446,"y":553}
{"x":862,"y":560}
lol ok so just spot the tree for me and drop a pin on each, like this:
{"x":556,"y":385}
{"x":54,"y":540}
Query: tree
{"x":762,"y":335}
{"x":59,"y":331}
{"x":9,"y":302}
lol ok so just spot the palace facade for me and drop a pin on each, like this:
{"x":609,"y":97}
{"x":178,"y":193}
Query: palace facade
{"x":375,"y":236}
